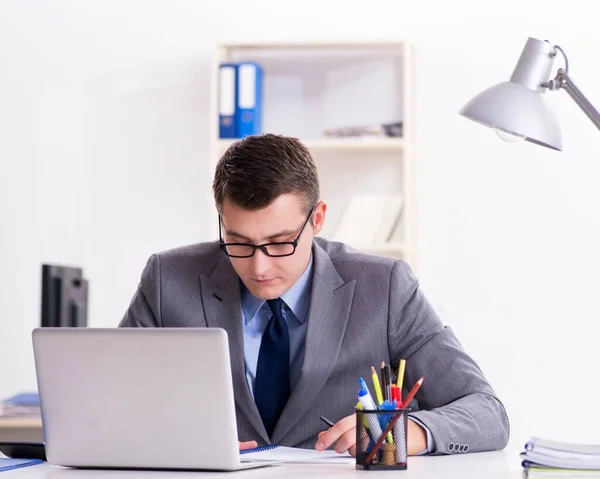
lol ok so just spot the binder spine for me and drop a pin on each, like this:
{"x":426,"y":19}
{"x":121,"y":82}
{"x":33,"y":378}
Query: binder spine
{"x":228,"y":91}
{"x":250,"y":92}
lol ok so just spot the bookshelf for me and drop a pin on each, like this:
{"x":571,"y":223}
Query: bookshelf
{"x":364,"y":144}
{"x":313,"y":86}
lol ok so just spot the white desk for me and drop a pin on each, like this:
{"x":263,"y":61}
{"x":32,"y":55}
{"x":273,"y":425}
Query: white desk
{"x":488,"y":465}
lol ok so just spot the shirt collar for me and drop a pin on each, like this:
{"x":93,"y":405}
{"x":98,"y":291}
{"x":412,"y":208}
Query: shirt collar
{"x":296,"y":298}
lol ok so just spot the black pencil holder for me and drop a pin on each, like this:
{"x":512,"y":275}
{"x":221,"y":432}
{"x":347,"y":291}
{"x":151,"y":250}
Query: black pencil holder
{"x":381,"y":439}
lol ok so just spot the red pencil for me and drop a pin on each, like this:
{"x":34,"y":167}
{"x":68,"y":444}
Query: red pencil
{"x":412,"y":393}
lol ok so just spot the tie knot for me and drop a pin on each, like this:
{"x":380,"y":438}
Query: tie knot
{"x":275,"y":305}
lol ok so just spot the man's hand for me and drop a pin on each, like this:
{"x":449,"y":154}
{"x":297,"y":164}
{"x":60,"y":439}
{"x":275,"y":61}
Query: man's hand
{"x":247,"y":445}
{"x":343,"y":434}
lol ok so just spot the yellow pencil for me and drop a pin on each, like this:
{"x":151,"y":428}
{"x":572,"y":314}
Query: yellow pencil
{"x":377,"y":386}
{"x":401,"y":374}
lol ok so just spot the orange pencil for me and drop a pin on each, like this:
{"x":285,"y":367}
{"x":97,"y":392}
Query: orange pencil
{"x":412,"y":393}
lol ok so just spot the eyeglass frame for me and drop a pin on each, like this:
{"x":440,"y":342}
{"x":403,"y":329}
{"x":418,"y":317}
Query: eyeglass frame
{"x":263,"y":247}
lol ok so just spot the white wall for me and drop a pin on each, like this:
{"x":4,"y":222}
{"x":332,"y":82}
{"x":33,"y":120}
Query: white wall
{"x":103,"y":144}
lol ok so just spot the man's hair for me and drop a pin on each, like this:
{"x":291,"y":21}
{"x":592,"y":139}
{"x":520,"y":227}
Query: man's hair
{"x":258,"y":169}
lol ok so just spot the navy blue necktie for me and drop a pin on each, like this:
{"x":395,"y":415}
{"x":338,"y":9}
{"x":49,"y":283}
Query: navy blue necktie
{"x":272,"y":383}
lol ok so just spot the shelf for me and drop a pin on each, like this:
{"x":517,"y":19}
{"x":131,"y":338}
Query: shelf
{"x":310,"y":44}
{"x":316,"y":85}
{"x":353,"y":143}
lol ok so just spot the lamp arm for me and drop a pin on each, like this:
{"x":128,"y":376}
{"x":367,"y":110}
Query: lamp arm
{"x":563,"y":80}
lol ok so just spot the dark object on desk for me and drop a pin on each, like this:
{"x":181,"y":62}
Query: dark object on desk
{"x":64,"y":296}
{"x":23,"y":450}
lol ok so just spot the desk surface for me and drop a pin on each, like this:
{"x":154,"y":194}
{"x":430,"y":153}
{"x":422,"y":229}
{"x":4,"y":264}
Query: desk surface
{"x":20,"y":422}
{"x":488,"y":465}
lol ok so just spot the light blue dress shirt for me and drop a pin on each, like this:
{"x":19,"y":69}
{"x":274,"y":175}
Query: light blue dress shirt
{"x":256,"y":314}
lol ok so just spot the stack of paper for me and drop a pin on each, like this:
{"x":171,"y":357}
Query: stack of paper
{"x":546,"y":458}
{"x":295,"y":455}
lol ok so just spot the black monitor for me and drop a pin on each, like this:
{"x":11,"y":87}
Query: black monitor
{"x":64,"y":296}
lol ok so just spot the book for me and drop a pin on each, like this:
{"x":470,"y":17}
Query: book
{"x":544,"y":457}
{"x":551,"y":472}
{"x":389,"y":220}
{"x":368,"y":219}
{"x":22,"y":404}
{"x":6,"y":464}
{"x":294,"y":455}
{"x":24,"y":399}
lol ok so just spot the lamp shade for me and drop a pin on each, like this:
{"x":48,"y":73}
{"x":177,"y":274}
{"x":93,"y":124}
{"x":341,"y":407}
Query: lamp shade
{"x":517,"y":110}
{"x":518,"y":107}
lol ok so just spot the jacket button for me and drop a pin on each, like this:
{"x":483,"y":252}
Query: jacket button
{"x":451,"y":447}
{"x":466,"y":447}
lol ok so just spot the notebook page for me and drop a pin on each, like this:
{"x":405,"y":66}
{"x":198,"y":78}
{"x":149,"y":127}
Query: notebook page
{"x":296,"y":455}
{"x":552,"y":447}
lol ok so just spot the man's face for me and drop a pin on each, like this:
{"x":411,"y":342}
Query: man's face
{"x":269,"y":277}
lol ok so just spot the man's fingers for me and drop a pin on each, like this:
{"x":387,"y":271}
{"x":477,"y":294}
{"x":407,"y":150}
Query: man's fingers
{"x":327,"y":438}
{"x":352,"y":451}
{"x":345,"y":442}
{"x":247,"y":445}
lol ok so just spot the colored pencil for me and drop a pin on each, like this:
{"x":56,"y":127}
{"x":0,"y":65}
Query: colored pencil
{"x":412,"y":393}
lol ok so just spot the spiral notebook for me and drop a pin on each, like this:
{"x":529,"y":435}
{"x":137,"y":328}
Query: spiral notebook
{"x":294,"y":455}
{"x":543,"y":457}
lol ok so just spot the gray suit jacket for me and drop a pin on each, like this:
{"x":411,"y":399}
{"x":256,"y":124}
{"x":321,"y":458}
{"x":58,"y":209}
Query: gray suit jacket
{"x":364,"y":309}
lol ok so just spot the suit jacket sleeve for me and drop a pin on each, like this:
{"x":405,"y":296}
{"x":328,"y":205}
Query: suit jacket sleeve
{"x":456,"y":403}
{"x":145,"y":307}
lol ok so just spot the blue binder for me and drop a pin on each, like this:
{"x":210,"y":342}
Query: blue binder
{"x":228,"y":89}
{"x":249,"y":102}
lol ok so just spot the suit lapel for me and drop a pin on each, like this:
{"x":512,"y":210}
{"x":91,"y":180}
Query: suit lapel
{"x":327,"y":318}
{"x":222,"y":307}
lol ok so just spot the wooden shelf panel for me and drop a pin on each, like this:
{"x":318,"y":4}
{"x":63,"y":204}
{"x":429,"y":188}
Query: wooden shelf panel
{"x":348,"y":143}
{"x":312,"y":44}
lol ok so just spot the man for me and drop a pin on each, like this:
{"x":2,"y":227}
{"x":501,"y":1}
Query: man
{"x":307,"y":317}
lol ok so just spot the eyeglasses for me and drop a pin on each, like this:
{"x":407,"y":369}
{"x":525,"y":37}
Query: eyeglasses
{"x":278,"y":249}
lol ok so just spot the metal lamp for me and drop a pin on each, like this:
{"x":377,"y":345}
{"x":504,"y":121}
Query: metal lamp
{"x":517,"y":109}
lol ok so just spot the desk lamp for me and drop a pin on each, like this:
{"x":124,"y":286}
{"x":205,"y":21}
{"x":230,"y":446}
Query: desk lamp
{"x":517,"y":109}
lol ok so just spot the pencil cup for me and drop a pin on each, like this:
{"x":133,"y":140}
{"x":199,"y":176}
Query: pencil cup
{"x":381,"y":439}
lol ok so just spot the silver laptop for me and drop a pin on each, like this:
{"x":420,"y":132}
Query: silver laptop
{"x":141,"y":398}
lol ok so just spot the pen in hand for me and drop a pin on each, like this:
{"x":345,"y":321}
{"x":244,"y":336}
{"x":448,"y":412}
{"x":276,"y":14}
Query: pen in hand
{"x":327,"y":421}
